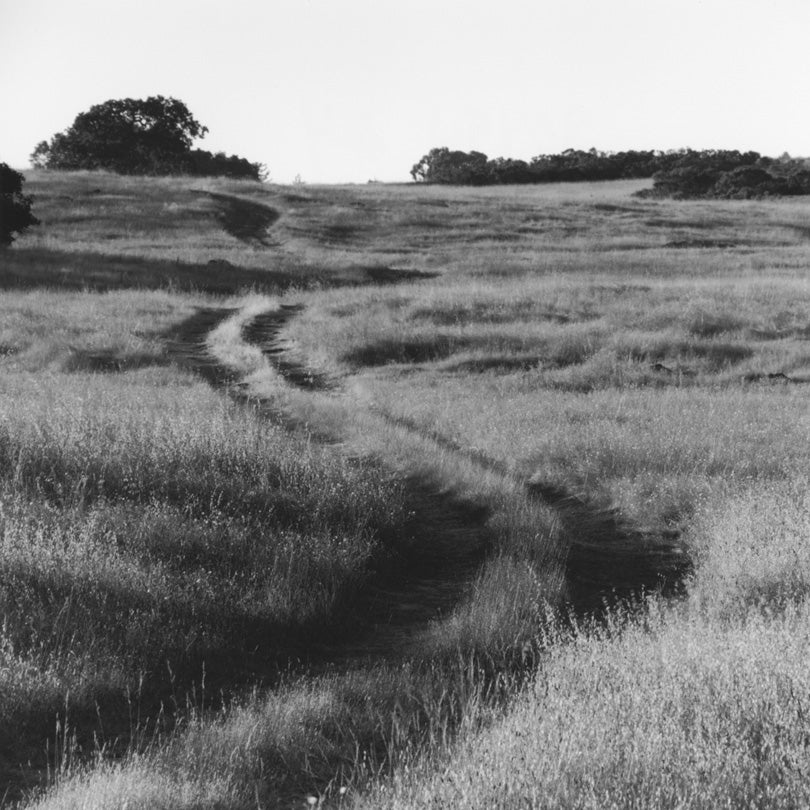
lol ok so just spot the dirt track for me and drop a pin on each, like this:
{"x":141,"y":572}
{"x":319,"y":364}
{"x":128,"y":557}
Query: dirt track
{"x":605,"y":557}
{"x":448,"y":538}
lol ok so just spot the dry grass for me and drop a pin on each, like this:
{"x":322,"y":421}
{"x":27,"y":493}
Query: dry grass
{"x":153,"y":534}
{"x":704,"y":706}
{"x":614,"y":351}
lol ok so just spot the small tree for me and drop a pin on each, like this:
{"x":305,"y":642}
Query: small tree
{"x":15,"y":207}
{"x":441,"y":165}
{"x":41,"y":155}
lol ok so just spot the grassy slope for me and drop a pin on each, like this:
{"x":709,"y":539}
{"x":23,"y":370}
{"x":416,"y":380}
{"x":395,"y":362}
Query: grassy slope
{"x":520,"y":343}
{"x":155,"y":536}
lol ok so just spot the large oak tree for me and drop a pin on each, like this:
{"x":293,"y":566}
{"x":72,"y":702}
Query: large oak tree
{"x":128,"y":136}
{"x":138,"y":136}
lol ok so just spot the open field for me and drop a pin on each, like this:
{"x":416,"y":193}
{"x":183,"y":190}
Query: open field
{"x":401,"y":496}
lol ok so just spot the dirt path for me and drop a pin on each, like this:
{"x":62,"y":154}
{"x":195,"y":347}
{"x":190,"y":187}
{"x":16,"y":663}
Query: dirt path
{"x":447,"y":536}
{"x":264,"y":331}
{"x":606,"y":557}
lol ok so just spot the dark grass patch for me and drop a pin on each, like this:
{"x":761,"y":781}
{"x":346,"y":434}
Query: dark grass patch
{"x":340,"y":234}
{"x":435,"y":347}
{"x":504,"y":364}
{"x":802,"y":231}
{"x":709,"y":325}
{"x":493,"y":236}
{"x":7,"y":351}
{"x":572,"y":349}
{"x":426,"y":222}
{"x":705,"y":243}
{"x":771,"y":334}
{"x":246,"y":220}
{"x":491,"y":313}
{"x":546,"y":216}
{"x":414,"y":350}
{"x":40,"y":267}
{"x":773,"y":377}
{"x":547,"y":229}
{"x":627,"y":248}
{"x":109,"y":361}
{"x":619,"y":289}
{"x":618,"y":209}
{"x":297,"y":198}
{"x":715,"y":355}
{"x":393,"y":275}
{"x":695,"y":224}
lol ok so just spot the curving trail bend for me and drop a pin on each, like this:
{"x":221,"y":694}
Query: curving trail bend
{"x":449,"y":538}
{"x":604,"y":557}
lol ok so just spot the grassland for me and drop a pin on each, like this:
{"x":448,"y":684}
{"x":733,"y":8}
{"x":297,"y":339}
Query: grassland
{"x":403,"y":497}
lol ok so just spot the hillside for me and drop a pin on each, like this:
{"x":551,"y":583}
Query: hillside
{"x":342,"y":492}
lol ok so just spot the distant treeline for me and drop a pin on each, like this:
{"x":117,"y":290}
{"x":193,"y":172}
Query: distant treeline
{"x":684,"y":173}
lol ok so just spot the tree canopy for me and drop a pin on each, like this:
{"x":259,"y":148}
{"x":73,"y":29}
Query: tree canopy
{"x":455,"y":168}
{"x":15,"y":207}
{"x":730,"y":175}
{"x":138,"y":136}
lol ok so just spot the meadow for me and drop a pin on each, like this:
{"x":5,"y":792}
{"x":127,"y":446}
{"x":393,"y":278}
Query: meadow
{"x":403,"y":496}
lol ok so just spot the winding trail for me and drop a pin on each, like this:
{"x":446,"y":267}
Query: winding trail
{"x":605,"y":558}
{"x":264,"y":331}
{"x":448,"y":539}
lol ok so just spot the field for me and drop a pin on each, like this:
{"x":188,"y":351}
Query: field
{"x":403,"y":496}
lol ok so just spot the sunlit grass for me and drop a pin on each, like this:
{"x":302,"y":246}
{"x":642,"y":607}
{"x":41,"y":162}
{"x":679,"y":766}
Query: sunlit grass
{"x":644,"y":449}
{"x":613,"y":351}
{"x":704,"y":706}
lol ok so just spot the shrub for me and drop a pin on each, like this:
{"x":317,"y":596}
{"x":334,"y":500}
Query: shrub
{"x":15,"y":207}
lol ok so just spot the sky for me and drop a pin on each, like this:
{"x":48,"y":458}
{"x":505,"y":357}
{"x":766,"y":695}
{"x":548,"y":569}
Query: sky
{"x":354,"y":90}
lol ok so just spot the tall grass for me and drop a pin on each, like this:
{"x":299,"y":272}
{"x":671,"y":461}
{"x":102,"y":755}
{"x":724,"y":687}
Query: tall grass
{"x":704,"y":706}
{"x":654,"y":452}
{"x":154,"y":535}
{"x":317,"y":741}
{"x":174,"y":509}
{"x":613,"y":351}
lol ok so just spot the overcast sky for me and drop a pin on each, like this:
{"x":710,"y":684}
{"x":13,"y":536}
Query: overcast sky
{"x":352,"y":90}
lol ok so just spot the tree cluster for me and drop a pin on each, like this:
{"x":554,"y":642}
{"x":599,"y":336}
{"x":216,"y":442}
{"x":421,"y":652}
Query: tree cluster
{"x":681,"y":173}
{"x":441,"y":165}
{"x":750,"y":177}
{"x":15,"y":207}
{"x":150,"y":136}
